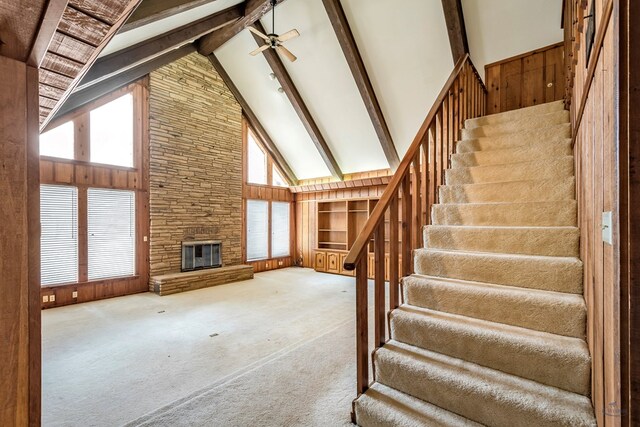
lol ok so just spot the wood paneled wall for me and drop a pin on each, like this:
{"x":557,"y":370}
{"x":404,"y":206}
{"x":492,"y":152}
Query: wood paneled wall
{"x":594,"y":115}
{"x":522,"y":81}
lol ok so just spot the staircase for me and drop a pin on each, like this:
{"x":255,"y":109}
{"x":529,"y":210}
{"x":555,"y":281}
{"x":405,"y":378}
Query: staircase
{"x":492,"y":329}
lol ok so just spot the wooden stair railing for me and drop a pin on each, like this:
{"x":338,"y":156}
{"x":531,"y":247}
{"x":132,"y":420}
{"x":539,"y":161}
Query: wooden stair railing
{"x":406,"y":205}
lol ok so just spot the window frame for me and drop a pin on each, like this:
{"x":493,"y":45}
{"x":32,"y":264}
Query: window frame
{"x":270,"y":163}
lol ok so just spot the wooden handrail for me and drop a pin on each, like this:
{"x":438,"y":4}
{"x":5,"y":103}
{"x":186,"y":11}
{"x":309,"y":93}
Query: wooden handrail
{"x":383,"y":249}
{"x":362,"y":242}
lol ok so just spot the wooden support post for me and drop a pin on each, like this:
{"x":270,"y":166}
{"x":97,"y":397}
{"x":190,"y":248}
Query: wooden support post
{"x":362,"y":325}
{"x":394,"y":247}
{"x":19,"y":245}
{"x":379,"y":283}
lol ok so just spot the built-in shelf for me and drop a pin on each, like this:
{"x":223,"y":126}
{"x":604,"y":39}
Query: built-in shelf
{"x":332,"y":212}
{"x":330,"y":230}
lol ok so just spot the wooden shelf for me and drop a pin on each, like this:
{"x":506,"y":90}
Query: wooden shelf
{"x":358,"y":211}
{"x":330,"y":230}
{"x":331,"y":212}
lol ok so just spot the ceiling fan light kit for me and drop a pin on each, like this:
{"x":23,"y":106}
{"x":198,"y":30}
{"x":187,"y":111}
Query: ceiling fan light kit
{"x":273,"y":40}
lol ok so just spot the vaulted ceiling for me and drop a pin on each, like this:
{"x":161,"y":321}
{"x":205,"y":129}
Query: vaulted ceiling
{"x":404,"y":50}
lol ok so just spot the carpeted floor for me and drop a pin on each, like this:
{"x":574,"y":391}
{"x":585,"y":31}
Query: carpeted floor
{"x":274,"y":351}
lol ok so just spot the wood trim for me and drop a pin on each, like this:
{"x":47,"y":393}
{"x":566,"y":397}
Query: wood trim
{"x":358,"y":70}
{"x":593,"y":62}
{"x":454,"y":17}
{"x":253,"y":11}
{"x":253,"y":121}
{"x":299,"y":105}
{"x":524,"y":55}
{"x":48,"y":27}
{"x":142,"y":52}
{"x":356,"y":183}
{"x":152,"y":11}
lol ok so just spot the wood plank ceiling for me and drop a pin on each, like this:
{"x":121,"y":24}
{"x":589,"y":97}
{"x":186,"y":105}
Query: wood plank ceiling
{"x":85,"y":28}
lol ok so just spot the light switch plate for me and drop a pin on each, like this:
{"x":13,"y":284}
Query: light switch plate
{"x":607,"y":227}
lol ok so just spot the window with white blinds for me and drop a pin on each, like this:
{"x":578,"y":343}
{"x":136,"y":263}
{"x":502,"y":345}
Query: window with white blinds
{"x":279,"y":229}
{"x":111,"y":233}
{"x":59,"y":234}
{"x":257,"y":230}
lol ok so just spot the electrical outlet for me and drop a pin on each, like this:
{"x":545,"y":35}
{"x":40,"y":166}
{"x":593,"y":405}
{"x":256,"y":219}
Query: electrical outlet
{"x":280,"y":263}
{"x":74,"y":294}
{"x":52,"y":298}
{"x":267,"y":265}
{"x":45,"y":298}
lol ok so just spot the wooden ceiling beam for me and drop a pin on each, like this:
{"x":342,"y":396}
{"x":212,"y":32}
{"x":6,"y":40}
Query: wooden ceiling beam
{"x":255,"y":124}
{"x":454,"y":19}
{"x":298,"y":104}
{"x":151,"y":11}
{"x":116,"y":81}
{"x":121,"y":61}
{"x":48,"y":26}
{"x":253,"y":11}
{"x":354,"y":59}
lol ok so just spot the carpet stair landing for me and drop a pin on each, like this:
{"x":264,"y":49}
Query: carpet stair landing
{"x":493,"y":324}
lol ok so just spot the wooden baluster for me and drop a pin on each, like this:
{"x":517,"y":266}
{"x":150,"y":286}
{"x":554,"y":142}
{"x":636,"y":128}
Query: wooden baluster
{"x":424,"y":180}
{"x":441,"y":155}
{"x":407,"y":260}
{"x":379,"y":282}
{"x":445,"y":131}
{"x":417,"y":202}
{"x":456,"y":111}
{"x":362,"y":325}
{"x":394,"y":260}
{"x":434,"y":196}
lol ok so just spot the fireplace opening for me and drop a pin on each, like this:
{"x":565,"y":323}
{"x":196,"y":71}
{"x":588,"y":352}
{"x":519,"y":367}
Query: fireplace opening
{"x":201,"y":255}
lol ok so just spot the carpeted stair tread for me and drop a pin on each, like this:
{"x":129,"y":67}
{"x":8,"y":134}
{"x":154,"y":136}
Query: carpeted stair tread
{"x":536,"y":214}
{"x":523,"y":123}
{"x":559,"y":274}
{"x":546,"y":311}
{"x":482,"y":394}
{"x":383,"y":406}
{"x":541,"y":150}
{"x":510,"y":191}
{"x":547,"y":241}
{"x":558,"y":168}
{"x":507,"y":116}
{"x":557,"y":133}
{"x":550,"y":359}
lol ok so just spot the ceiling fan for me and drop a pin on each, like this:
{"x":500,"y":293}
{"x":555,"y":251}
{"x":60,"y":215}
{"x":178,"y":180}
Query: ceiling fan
{"x":274,"y":41}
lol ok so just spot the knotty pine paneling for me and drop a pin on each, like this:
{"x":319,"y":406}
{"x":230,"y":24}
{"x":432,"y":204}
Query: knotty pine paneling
{"x":529,"y":79}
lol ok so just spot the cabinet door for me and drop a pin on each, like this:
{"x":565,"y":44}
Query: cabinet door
{"x":333,"y":261}
{"x":321,"y":259}
{"x":343,"y":257}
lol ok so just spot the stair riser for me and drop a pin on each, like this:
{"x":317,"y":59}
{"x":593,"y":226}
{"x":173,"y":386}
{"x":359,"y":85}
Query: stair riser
{"x":524,"y":123}
{"x":509,"y":192}
{"x":562,"y":363}
{"x":536,"y":110}
{"x":551,"y":134}
{"x":555,"y":313}
{"x":552,"y":214}
{"x":548,"y":273}
{"x":525,"y":241}
{"x":540,"y":170}
{"x":513,"y":155}
{"x":506,"y":403}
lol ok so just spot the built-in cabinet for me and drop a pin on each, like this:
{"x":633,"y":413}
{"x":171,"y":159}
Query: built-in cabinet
{"x":339,"y":222}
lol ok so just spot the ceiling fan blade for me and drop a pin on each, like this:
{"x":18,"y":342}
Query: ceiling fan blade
{"x":260,"y":49}
{"x":258,"y":33}
{"x":288,"y":35}
{"x":283,"y":50}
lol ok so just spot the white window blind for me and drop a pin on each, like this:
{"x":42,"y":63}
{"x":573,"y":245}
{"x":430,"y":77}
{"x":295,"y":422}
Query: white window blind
{"x":111,"y":233}
{"x":257,"y":230}
{"x":279,"y":229}
{"x":59,"y":234}
{"x":256,"y":162}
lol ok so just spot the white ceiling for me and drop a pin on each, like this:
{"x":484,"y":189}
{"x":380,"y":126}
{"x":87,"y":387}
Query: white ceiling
{"x":137,"y":35}
{"x":499,"y":29}
{"x":406,"y":51}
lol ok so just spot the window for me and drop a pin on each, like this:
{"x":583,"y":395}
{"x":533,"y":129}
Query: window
{"x":257,"y":230}
{"x":58,"y":142}
{"x":112,"y":132}
{"x":59,"y":234}
{"x":111,"y":233}
{"x":256,"y":162}
{"x":277,"y":179}
{"x":279,"y":229}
